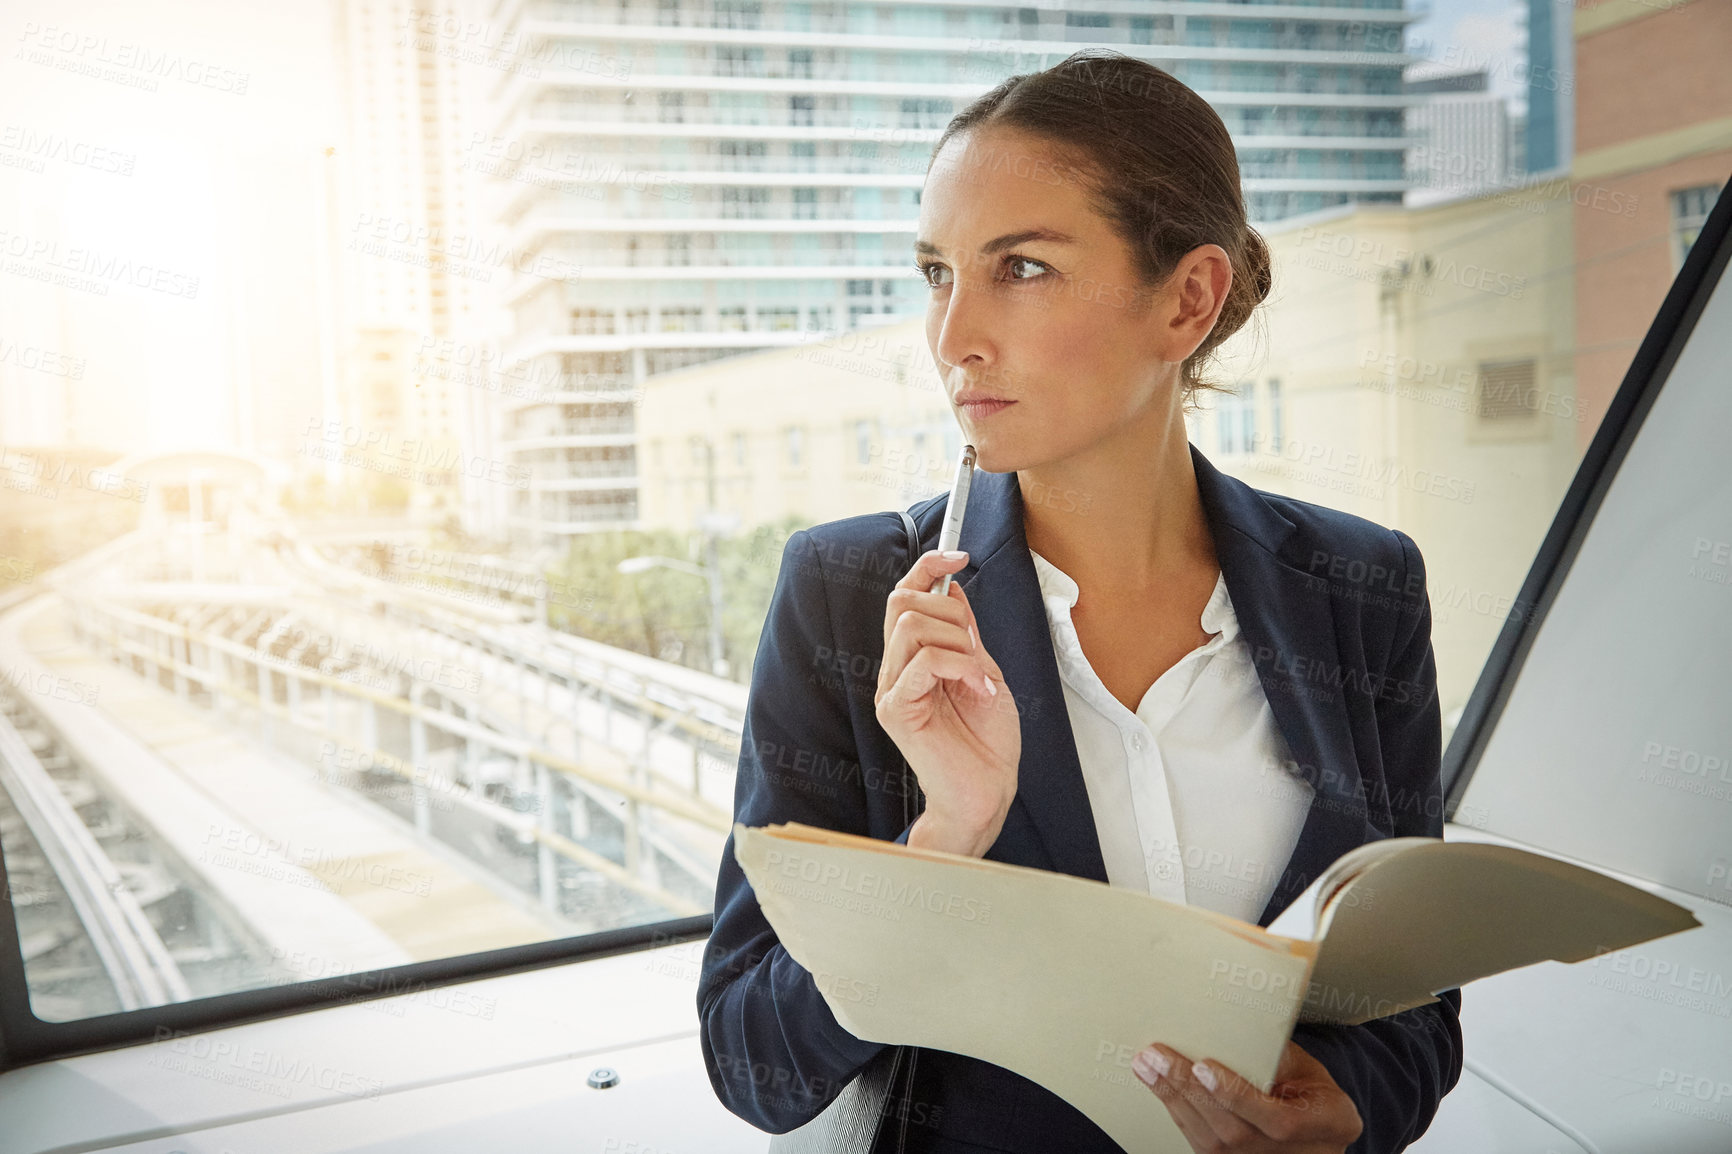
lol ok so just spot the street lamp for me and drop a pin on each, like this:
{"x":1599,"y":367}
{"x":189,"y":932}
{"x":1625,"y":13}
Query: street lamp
{"x":711,"y":573}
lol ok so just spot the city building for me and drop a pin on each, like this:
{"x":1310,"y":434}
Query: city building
{"x":1549,"y":127}
{"x":692,"y":180}
{"x":847,"y":423}
{"x":415,"y":266}
{"x":1462,"y":135}
{"x":1415,"y":366}
{"x":1650,"y":160}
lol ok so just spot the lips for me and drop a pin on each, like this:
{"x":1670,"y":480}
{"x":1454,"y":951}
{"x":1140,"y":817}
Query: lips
{"x":977,"y":404}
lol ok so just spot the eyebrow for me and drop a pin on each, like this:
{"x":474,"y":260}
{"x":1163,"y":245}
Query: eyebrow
{"x":1008,"y":240}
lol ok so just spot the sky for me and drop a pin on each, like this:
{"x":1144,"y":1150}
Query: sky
{"x":1473,"y":34}
{"x":163,"y":155}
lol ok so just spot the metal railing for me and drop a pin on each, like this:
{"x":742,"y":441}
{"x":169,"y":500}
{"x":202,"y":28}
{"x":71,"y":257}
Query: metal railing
{"x":127,"y":946}
{"x":243,"y":673}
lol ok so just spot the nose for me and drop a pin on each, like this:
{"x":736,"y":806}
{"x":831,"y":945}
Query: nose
{"x":966,"y":327}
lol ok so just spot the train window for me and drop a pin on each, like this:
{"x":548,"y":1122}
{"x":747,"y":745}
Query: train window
{"x":403,"y":421}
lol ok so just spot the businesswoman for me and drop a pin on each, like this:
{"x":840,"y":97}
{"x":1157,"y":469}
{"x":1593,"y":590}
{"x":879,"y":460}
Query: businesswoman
{"x":1144,"y":671}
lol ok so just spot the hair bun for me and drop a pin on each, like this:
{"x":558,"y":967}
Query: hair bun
{"x":1257,"y":263}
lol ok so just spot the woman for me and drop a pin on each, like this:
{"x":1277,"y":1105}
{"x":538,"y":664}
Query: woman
{"x":1144,"y":672}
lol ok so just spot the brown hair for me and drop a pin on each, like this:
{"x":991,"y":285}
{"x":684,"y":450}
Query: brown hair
{"x":1158,"y":163}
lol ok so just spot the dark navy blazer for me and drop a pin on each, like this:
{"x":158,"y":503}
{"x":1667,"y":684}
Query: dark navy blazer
{"x":1334,"y":609}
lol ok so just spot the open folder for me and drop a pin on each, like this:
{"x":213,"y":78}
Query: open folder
{"x":1063,"y":979}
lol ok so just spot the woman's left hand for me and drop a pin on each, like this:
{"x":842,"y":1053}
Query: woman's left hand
{"x":1305,"y":1112}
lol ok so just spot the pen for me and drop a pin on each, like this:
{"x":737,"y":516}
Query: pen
{"x":951,"y":535}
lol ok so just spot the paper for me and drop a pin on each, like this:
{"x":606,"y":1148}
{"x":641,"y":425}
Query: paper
{"x":1059,"y":978}
{"x":1064,"y":979}
{"x":1417,"y":915}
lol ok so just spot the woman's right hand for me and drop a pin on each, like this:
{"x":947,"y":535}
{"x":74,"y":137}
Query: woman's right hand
{"x":942,"y":698}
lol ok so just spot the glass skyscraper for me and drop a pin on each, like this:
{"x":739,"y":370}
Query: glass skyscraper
{"x":1550,"y":85}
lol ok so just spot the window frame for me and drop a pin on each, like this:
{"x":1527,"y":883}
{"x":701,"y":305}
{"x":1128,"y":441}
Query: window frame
{"x":1646,"y":377}
{"x":26,"y":1040}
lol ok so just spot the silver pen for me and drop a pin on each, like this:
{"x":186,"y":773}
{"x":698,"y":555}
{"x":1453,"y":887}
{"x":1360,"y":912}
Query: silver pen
{"x":951,"y":535}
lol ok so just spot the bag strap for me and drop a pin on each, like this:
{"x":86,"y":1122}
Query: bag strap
{"x":913,"y":801}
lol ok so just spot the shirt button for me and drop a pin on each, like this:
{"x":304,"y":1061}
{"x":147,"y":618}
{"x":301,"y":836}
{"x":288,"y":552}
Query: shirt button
{"x":1164,"y":870}
{"x":1137,"y":741}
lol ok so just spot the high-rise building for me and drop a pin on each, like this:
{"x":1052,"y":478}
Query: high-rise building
{"x":417,"y":268}
{"x":1462,"y":136}
{"x":693,"y":179}
{"x":1549,"y":131}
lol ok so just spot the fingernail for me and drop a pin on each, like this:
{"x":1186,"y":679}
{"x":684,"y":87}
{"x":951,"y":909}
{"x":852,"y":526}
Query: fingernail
{"x":1156,"y":1060}
{"x":990,"y":687}
{"x":1144,"y":1069}
{"x":1206,"y":1075}
{"x":973,"y":641}
{"x":954,"y":554}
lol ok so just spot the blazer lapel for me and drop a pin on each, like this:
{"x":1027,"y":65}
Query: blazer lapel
{"x":1004,"y":591}
{"x":1286,"y":618}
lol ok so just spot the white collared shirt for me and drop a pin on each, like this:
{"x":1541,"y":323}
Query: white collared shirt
{"x":1194,"y":796}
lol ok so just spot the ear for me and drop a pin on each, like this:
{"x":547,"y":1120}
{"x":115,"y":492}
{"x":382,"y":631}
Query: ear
{"x":1196,"y":292}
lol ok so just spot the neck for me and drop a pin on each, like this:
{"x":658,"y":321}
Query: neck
{"x":1124,"y":517}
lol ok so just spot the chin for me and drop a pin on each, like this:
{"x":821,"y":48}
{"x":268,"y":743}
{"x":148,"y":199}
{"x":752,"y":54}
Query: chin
{"x":990,"y":458}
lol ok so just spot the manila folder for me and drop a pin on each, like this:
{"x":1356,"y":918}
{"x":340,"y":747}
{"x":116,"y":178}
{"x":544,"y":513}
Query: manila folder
{"x":1058,"y":978}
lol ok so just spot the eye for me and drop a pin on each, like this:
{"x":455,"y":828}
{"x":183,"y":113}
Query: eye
{"x":924,"y":268}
